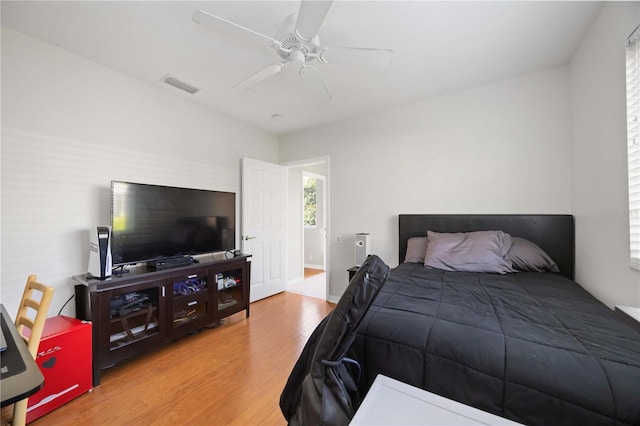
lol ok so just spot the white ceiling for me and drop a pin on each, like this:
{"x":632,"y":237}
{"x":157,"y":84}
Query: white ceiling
{"x":438,"y":47}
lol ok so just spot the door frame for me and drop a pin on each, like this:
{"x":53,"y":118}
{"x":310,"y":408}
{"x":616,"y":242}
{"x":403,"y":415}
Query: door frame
{"x":324,"y":216}
{"x":327,"y":200}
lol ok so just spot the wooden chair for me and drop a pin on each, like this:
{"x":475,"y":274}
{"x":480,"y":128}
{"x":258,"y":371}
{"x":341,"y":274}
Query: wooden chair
{"x":31,"y":316}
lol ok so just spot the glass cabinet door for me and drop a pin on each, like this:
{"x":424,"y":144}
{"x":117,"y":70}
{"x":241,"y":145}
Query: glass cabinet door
{"x":229,"y":286}
{"x":134,"y":316}
{"x":191,"y":304}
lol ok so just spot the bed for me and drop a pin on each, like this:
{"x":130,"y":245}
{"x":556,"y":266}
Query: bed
{"x":533,"y":347}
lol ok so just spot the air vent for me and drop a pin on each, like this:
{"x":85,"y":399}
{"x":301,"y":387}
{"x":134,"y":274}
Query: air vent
{"x":172,"y":81}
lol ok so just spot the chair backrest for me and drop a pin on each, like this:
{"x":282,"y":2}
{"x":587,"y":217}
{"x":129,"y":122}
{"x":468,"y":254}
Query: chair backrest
{"x":32,"y":312}
{"x":321,"y":390}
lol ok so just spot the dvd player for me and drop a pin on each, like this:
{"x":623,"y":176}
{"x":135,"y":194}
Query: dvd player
{"x":170,"y":262}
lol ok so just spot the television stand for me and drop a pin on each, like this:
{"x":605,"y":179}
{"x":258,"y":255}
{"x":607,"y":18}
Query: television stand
{"x":146,"y":309}
{"x":169,"y":262}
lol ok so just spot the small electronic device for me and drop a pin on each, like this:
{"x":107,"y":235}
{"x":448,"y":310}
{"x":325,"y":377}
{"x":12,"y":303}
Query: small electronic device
{"x":363,"y":248}
{"x":100,"y":263}
{"x":170,"y":262}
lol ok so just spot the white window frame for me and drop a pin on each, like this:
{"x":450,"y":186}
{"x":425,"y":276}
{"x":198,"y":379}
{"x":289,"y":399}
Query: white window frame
{"x":633,"y":143}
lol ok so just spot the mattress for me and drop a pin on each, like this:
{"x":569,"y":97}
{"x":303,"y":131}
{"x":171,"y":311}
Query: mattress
{"x":532,"y":347}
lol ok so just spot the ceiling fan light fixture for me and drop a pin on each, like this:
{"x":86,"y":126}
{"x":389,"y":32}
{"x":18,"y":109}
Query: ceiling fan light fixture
{"x":297,"y":43}
{"x":179,"y":84}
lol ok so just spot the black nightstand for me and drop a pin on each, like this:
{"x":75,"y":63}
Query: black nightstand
{"x":352,"y":271}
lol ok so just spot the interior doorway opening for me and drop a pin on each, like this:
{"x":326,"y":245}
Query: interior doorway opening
{"x":314,"y":230}
{"x":308,"y":227}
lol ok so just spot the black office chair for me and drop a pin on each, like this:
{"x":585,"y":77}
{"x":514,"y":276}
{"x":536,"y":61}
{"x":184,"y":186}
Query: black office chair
{"x":322,"y":388}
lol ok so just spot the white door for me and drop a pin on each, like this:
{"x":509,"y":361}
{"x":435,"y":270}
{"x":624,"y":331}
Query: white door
{"x":264,"y":202}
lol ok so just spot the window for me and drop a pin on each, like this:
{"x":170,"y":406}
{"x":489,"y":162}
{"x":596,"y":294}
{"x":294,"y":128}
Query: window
{"x":633,"y":143}
{"x":310,"y":200}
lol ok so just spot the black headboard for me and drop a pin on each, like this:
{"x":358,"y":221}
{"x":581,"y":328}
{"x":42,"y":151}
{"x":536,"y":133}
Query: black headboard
{"x":552,"y":233}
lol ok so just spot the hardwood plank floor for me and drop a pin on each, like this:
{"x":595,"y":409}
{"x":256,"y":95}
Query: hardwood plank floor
{"x":231,"y":375}
{"x":310,"y":272}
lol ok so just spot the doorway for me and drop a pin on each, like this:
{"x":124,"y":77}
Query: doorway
{"x":314,"y":230}
{"x":308,"y":227}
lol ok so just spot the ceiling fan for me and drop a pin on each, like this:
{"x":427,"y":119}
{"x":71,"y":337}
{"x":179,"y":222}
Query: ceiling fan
{"x":298,"y":44}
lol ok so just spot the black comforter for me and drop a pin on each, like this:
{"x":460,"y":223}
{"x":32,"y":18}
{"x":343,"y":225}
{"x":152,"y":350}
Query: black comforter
{"x":532,"y":347}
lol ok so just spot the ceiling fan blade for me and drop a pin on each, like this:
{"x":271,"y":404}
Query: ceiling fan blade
{"x":217,"y":23}
{"x":310,"y":17}
{"x":263,"y":74}
{"x":313,"y":80}
{"x":379,"y":59}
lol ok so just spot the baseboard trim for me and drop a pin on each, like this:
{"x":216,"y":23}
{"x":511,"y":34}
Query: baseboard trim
{"x":333,"y":299}
{"x":313,"y":266}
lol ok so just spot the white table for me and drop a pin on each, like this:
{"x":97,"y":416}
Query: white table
{"x":391,"y":402}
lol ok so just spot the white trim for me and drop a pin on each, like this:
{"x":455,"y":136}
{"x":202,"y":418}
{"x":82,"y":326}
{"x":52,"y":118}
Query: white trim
{"x":313,"y":175}
{"x":307,"y":174}
{"x":333,"y":299}
{"x":310,"y":266}
{"x":633,"y":144}
{"x":307,"y":162}
{"x":327,"y":203}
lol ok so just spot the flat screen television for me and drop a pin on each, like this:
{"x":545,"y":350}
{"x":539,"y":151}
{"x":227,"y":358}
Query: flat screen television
{"x":151,"y":222}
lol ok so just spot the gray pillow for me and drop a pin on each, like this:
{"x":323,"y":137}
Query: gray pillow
{"x":527,"y":256}
{"x":416,"y":250}
{"x":480,"y":251}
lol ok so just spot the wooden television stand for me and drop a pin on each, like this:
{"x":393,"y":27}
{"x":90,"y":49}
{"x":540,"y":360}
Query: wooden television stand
{"x":143,"y":310}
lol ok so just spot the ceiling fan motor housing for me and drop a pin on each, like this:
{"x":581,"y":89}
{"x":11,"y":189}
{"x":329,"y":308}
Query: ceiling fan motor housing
{"x":293,"y":44}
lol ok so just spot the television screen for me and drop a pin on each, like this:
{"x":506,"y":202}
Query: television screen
{"x":152,"y":222}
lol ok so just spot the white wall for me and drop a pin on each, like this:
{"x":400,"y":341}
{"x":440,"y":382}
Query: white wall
{"x":499,"y":148}
{"x":70,"y":126}
{"x":599,"y":153}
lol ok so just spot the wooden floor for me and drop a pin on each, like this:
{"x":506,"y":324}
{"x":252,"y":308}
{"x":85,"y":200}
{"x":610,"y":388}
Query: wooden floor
{"x":231,"y":375}
{"x":310,"y":272}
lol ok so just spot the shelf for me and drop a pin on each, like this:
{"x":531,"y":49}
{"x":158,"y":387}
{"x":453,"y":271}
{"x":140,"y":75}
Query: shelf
{"x":182,"y":318}
{"x":181,"y":297}
{"x":166,"y":315}
{"x":147,"y":310}
{"x":231,"y":287}
{"x":225,"y":305}
{"x":135,"y":333}
{"x":121,"y":339}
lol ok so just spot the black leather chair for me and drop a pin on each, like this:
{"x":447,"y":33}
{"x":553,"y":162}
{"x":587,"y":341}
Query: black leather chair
{"x":322,"y":387}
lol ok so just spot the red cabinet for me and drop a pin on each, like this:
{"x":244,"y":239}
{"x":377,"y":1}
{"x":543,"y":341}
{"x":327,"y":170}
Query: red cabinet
{"x":64,"y":357}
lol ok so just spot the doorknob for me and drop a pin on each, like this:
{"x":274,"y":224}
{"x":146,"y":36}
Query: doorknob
{"x":246,"y":237}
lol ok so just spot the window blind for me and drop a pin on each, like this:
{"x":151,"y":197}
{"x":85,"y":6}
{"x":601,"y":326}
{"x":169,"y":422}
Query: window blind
{"x":633,"y":142}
